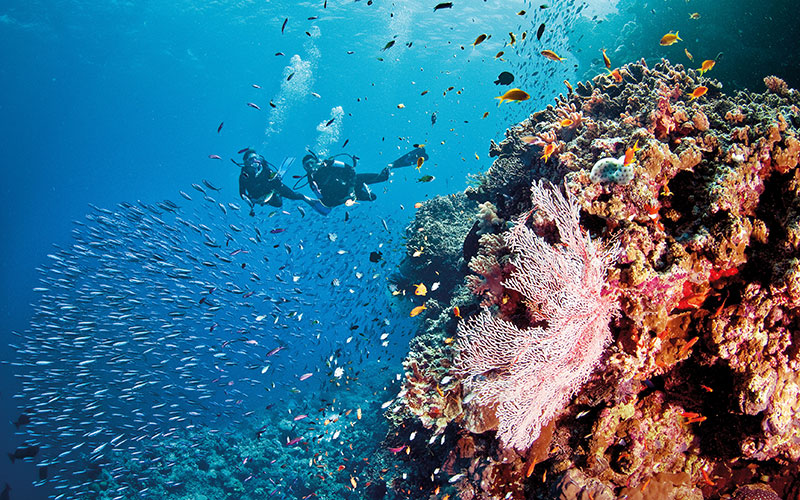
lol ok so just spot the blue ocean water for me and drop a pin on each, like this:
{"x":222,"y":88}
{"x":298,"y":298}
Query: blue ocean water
{"x":114,"y":103}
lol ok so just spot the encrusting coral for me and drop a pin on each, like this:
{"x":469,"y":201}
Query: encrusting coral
{"x":699,"y":390}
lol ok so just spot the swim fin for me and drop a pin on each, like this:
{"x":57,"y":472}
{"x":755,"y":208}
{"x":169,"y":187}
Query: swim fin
{"x":409,"y":158}
{"x":320,"y":207}
{"x":287,"y":162}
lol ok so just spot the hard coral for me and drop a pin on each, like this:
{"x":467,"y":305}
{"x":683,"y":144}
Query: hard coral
{"x":705,"y":346}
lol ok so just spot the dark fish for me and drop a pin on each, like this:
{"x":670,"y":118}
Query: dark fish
{"x":284,"y":24}
{"x":504,"y":78}
{"x":443,"y":5}
{"x":433,"y":118}
{"x":426,"y":178}
{"x":289,"y":77}
{"x":22,"y":420}
{"x":345,"y":142}
{"x":24,"y":452}
{"x":540,"y":31}
{"x":313,"y":18}
{"x":272,"y":104}
{"x":388,"y":45}
{"x":220,"y":126}
{"x":330,"y":121}
{"x":375,"y":256}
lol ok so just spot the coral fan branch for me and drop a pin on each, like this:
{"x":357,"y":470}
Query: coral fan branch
{"x":530,"y":373}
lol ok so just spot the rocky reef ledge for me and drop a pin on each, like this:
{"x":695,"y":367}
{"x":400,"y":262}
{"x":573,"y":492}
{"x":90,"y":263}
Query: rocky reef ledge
{"x":695,"y":391}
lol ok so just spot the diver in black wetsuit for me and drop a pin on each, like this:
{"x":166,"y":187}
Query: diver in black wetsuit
{"x":336,"y":182}
{"x":260,"y":184}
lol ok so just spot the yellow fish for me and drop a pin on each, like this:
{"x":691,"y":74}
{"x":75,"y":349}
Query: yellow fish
{"x":694,"y":15}
{"x":551,"y":55}
{"x":513,"y":95}
{"x":689,"y":55}
{"x":670,"y":38}
{"x":417,"y":310}
{"x":420,"y":289}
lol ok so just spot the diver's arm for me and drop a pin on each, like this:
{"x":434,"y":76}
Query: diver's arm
{"x":242,"y":189}
{"x":287,"y":192}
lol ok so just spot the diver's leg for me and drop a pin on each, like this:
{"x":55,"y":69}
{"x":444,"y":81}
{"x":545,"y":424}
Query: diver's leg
{"x":381,"y":176}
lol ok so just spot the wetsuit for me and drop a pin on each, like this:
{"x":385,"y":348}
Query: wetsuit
{"x":335,"y":182}
{"x":262,"y":185}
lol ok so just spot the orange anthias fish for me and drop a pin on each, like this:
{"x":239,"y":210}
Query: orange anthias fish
{"x":528,"y":139}
{"x":548,"y":150}
{"x":616,"y":75}
{"x":566,"y":122}
{"x":480,"y":38}
{"x":421,"y":289}
{"x":513,"y":95}
{"x":699,"y":91}
{"x":457,"y":312}
{"x":629,"y":154}
{"x":707,"y":65}
{"x":551,"y":55}
{"x":417,"y":310}
{"x":606,"y":60}
{"x":670,"y":38}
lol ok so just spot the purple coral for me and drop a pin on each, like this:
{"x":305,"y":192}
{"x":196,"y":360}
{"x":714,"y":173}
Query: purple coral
{"x":529,"y":374}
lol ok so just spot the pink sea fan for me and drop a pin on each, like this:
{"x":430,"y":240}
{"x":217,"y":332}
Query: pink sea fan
{"x":528,"y":374}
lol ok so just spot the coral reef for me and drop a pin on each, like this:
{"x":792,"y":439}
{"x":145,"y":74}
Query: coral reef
{"x":435,"y":243}
{"x":527,"y":373}
{"x":699,"y":391}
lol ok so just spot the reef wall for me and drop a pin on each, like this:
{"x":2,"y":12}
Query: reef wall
{"x":698,"y":392}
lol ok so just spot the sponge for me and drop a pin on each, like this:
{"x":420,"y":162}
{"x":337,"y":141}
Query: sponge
{"x":611,"y":170}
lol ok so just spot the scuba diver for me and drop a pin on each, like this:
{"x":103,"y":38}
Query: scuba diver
{"x":336,"y":182}
{"x":260,"y":184}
